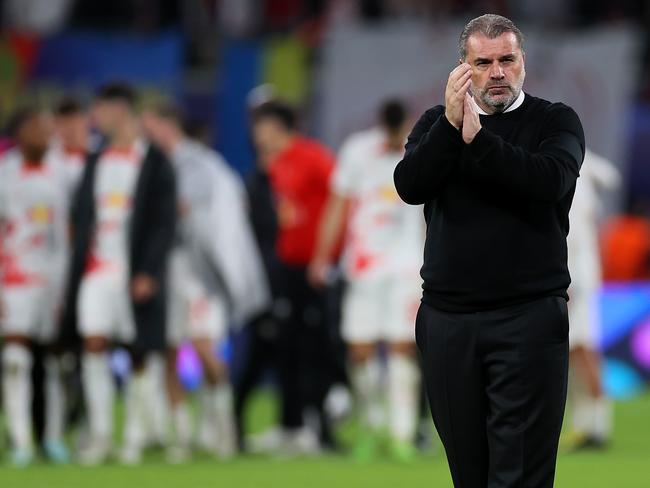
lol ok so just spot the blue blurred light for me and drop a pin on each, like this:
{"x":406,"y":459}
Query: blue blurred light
{"x":622,"y":308}
{"x":621,"y":380}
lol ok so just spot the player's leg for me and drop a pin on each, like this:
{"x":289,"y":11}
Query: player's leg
{"x":55,"y":403}
{"x":361,"y":330}
{"x":207,"y":325}
{"x":179,"y":447}
{"x":157,"y":406}
{"x":18,"y":314}
{"x":139,"y":386}
{"x":403,"y":390}
{"x":95,"y":312}
{"x":525,"y":352}
{"x":17,"y":394}
{"x":55,"y":399}
{"x":403,"y":376}
{"x":137,"y":393}
{"x":219,"y":395}
{"x":179,"y":443}
{"x":591,"y":409}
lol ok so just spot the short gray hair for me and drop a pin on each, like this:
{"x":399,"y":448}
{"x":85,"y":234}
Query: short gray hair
{"x":491,"y":26}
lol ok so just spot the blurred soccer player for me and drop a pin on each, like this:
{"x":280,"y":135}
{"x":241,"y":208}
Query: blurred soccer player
{"x":591,"y":409}
{"x":216,"y":274}
{"x":72,"y":130}
{"x":33,"y":247}
{"x":124,"y":220}
{"x":384,"y":243}
{"x":299,"y":170}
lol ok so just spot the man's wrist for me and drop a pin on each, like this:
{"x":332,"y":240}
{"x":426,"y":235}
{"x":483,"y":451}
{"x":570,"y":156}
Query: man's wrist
{"x":457,"y":127}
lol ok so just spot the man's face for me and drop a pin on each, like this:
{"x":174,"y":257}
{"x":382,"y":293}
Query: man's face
{"x":267,"y":134}
{"x":33,"y":137}
{"x":498,"y":70}
{"x":108,"y":115}
{"x":154,"y":126}
{"x":73,"y":130}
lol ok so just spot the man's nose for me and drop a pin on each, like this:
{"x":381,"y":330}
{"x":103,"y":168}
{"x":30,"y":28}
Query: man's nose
{"x":496,"y":72}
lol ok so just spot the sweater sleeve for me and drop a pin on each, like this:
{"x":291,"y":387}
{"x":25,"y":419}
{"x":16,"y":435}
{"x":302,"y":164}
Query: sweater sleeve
{"x":161,"y":221}
{"x":433,"y":150}
{"x":545,"y":175}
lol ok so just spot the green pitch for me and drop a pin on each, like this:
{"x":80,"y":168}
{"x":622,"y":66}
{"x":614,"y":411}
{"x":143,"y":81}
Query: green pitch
{"x":626,"y":465}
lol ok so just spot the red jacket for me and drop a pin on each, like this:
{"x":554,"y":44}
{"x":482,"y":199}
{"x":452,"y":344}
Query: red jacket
{"x":299,"y":179}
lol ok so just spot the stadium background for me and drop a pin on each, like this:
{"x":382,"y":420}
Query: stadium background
{"x":337,"y":60}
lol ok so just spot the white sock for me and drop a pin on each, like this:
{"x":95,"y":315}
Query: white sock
{"x":157,"y":412}
{"x":182,"y":425}
{"x":602,"y":418}
{"x":99,"y":395}
{"x":206,"y":432}
{"x":366,"y":383}
{"x":17,"y":394}
{"x":582,"y":413}
{"x":222,"y":403}
{"x":136,"y":403}
{"x":54,"y":400}
{"x":403,"y":382}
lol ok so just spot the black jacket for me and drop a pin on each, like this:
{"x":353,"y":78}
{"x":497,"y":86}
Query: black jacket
{"x":497,"y":209}
{"x":151,"y":236}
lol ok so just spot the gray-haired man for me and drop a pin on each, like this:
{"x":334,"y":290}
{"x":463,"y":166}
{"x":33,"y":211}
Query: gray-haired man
{"x":496,"y":170}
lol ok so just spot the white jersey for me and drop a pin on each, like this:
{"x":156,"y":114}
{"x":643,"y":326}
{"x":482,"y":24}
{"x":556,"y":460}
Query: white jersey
{"x":33,"y":245}
{"x":385,"y":236}
{"x":33,"y":212}
{"x":584,"y":257}
{"x":215,"y":230}
{"x":115,"y":185}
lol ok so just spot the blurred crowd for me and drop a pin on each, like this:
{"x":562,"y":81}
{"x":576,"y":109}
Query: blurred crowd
{"x":119,"y":230}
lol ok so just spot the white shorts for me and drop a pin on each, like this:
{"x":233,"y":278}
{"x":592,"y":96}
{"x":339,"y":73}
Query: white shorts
{"x":381,"y":310}
{"x":193,"y":312}
{"x":104,"y":306}
{"x":584,"y":322}
{"x":29,"y":311}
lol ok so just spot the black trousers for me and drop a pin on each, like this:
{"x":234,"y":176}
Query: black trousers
{"x":304,"y":349}
{"x":497,"y":383}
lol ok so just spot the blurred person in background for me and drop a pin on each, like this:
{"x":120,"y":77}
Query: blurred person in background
{"x":591,"y":419}
{"x":216,"y":277}
{"x":298,"y":171}
{"x":73,"y":139}
{"x":123,"y":220}
{"x":496,"y":169}
{"x":33,"y":252}
{"x":381,"y":258}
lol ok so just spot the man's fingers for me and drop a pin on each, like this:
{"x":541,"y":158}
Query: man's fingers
{"x":463,"y":79}
{"x":462,"y":91}
{"x":459,"y":72}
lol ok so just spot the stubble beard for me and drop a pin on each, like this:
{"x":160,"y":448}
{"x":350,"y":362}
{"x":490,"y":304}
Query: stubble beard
{"x":501,"y":104}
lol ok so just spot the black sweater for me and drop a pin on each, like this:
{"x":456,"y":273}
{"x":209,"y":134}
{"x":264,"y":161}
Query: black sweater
{"x":496,"y":209}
